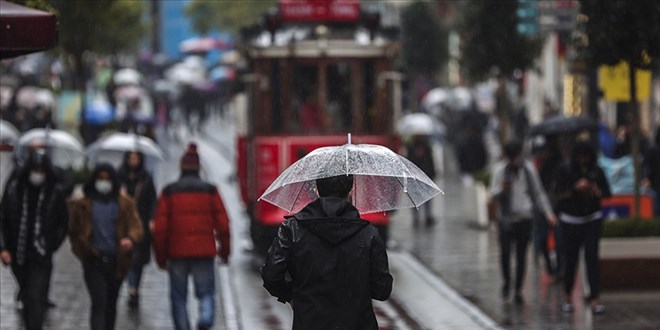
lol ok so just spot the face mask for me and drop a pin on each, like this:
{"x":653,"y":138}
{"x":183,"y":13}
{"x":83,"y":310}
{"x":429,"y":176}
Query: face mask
{"x":103,"y":186}
{"x":37,"y":178}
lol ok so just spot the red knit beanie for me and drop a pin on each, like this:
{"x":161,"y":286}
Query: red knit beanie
{"x":190,"y":159}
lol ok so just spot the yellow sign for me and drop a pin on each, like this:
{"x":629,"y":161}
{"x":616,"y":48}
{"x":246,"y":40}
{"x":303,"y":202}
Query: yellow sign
{"x":615,"y":83}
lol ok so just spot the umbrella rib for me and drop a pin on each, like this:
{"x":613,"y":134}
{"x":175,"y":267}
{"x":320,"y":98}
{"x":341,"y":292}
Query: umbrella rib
{"x":404,"y":189}
{"x":296,"y":198}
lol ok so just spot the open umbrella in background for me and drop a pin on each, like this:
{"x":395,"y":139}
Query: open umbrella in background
{"x":560,"y":124}
{"x":383,"y":180}
{"x":418,"y":123}
{"x":206,"y":44}
{"x":8,"y":135}
{"x":127,"y":76}
{"x":64,"y":149}
{"x":112,"y":148}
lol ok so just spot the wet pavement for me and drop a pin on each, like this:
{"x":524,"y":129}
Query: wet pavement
{"x":466,"y":257}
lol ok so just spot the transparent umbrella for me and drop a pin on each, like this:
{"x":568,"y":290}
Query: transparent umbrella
{"x":123,"y":142}
{"x":8,"y":133}
{"x":383,"y":180}
{"x":65,"y":149}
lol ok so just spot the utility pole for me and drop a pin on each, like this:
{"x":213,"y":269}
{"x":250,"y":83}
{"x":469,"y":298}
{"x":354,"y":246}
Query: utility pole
{"x":155,"y":26}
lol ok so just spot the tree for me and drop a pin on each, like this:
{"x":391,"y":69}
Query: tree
{"x":624,"y":31}
{"x":227,"y":15}
{"x":491,"y":45}
{"x":424,"y":39}
{"x":490,"y":40}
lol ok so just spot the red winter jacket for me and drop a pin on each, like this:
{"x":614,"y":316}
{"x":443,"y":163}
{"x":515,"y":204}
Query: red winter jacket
{"x":190,"y":218}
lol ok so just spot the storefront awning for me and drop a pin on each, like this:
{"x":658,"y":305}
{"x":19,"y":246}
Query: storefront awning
{"x":25,"y":30}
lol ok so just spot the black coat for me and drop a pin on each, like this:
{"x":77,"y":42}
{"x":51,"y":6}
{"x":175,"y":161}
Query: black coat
{"x":337,"y":263}
{"x":576,"y":203}
{"x":142,"y":189}
{"x":54,"y":214}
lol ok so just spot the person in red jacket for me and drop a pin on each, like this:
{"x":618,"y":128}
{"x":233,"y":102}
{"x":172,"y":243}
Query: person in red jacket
{"x":190,"y":219}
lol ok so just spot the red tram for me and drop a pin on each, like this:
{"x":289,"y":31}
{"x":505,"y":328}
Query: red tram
{"x":319,"y":69}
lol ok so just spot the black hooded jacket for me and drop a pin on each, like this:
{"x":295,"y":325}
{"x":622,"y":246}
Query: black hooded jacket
{"x":329,"y":264}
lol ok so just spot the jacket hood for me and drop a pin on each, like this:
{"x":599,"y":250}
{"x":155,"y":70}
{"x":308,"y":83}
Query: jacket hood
{"x":331,"y":219}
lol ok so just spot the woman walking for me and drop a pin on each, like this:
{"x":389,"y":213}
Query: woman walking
{"x":104,"y":228}
{"x":581,"y":184}
{"x":138,"y":183}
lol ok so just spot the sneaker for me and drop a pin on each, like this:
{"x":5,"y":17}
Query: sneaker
{"x":597,"y":309}
{"x":567,"y":308}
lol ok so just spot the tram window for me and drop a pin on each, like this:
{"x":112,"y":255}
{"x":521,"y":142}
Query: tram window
{"x":276,"y":104}
{"x":339,"y":97}
{"x":369,"y":107}
{"x":305,"y":99}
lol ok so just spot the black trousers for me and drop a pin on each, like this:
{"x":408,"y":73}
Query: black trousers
{"x":517,"y":233}
{"x":33,"y":279}
{"x":103,"y":286}
{"x":574,"y":237}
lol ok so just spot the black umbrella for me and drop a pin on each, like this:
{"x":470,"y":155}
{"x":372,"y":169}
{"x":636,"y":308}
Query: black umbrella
{"x":560,"y":124}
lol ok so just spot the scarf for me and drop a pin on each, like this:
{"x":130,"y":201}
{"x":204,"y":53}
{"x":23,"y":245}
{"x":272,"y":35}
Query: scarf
{"x":39,"y":243}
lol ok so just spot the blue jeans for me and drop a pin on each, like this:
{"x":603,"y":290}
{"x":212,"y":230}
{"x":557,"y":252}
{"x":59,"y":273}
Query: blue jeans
{"x":203,"y":275}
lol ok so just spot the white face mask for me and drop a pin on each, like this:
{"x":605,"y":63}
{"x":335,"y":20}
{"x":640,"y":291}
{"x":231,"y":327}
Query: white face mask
{"x":103,"y":186}
{"x":37,"y":178}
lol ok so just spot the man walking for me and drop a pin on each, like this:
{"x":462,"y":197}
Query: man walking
{"x":34,"y":223}
{"x":328,"y":263}
{"x":516,"y":187}
{"x":190,"y":219}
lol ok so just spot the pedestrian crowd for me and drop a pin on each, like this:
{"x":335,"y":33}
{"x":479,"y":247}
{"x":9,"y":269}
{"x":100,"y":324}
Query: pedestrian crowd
{"x":110,"y":229}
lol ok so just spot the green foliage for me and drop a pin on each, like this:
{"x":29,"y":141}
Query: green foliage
{"x":227,"y":15}
{"x":424,"y":39}
{"x":631,"y":228}
{"x":100,"y":26}
{"x":491,"y":42}
{"x":621,"y":30}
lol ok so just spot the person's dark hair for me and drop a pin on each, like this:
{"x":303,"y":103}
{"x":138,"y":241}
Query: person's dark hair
{"x":512,"y":149}
{"x":90,"y":190}
{"x":336,"y":186}
{"x":124,"y":163}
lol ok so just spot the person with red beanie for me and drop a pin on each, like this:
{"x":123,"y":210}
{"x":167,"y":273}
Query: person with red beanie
{"x":190,"y":228}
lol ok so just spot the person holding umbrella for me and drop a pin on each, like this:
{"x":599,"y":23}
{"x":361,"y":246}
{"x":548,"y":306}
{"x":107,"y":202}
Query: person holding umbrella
{"x":337,"y":262}
{"x":138,"y":183}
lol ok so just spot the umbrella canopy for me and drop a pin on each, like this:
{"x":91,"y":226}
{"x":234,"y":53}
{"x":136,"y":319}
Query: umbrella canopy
{"x":383,"y":180}
{"x":435,"y":97}
{"x":99,"y":111}
{"x":560,"y":124}
{"x":417,"y":123}
{"x":8,"y":133}
{"x":65,"y":149}
{"x":119,"y":142}
{"x":25,"y":30}
{"x":127,"y":76}
{"x":203,"y":45}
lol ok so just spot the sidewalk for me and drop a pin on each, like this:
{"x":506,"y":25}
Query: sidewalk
{"x":467,"y":259}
